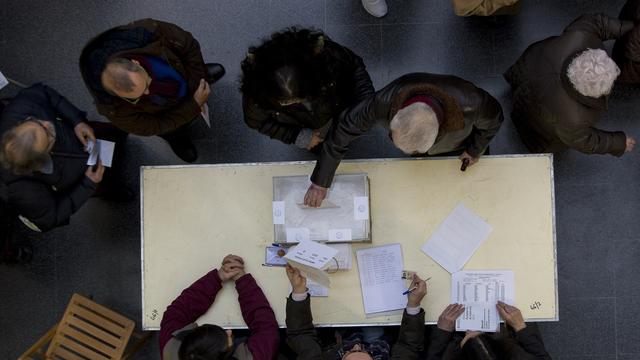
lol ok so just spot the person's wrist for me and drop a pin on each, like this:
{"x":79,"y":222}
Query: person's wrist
{"x":519,"y":327}
{"x":299,"y":289}
{"x":447,"y":328}
{"x":413,"y":303}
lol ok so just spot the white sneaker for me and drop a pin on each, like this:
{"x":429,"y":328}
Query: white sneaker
{"x":377,"y":8}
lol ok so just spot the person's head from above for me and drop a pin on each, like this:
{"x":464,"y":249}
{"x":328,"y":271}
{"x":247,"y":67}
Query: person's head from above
{"x":206,"y":342}
{"x":126,"y":79}
{"x":592,"y":73}
{"x":414,"y":128}
{"x":357,"y":352}
{"x":25,"y":148}
{"x":478,"y":346}
{"x":286,"y":69}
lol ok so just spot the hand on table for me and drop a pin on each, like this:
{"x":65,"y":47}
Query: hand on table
{"x":298,"y":282}
{"x":511,"y":315}
{"x":232,"y":268}
{"x":314,"y":196}
{"x":447,"y":320}
{"x":416,"y":296}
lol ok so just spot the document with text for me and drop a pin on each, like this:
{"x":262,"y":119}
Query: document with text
{"x":381,"y":280}
{"x":457,"y":238}
{"x":479,"y":292}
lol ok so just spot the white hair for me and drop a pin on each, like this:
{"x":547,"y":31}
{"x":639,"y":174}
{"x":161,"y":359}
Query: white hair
{"x":592,"y":73}
{"x":414,"y":128}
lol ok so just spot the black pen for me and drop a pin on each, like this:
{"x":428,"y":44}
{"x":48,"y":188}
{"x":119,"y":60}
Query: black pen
{"x":465,"y":164}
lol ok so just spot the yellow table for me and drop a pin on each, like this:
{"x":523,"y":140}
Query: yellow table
{"x":192,"y":216}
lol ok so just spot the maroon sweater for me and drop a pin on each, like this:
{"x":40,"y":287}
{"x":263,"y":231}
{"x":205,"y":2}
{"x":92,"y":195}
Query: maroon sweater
{"x":256,"y":311}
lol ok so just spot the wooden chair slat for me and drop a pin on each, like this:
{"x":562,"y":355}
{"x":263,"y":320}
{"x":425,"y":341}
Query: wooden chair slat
{"x":77,"y":348}
{"x":77,"y":299}
{"x":66,"y":332}
{"x":100,"y":321}
{"x":66,"y":354}
{"x":104,"y":336}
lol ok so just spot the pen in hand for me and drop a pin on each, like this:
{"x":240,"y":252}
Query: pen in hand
{"x":413,"y":288}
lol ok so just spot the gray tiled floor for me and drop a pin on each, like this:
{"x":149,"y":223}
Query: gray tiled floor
{"x":597,"y":196}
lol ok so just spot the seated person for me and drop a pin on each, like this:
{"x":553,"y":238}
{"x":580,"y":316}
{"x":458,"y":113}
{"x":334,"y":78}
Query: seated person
{"x":302,"y":337}
{"x":516,"y":341}
{"x":561,"y":87}
{"x":182,"y":339}
{"x":44,"y":158}
{"x":295,"y":85}
{"x":426,"y":114}
{"x":148,"y":78}
{"x":626,"y":50}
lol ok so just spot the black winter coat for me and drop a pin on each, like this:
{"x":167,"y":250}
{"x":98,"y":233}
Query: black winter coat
{"x":48,"y":200}
{"x":525,"y":344}
{"x":349,"y":83}
{"x":626,"y":50}
{"x":471,"y":118}
{"x":548,"y":112}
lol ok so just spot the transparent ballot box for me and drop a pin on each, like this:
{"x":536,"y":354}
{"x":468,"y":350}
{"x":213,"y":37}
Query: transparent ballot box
{"x":344,"y":216}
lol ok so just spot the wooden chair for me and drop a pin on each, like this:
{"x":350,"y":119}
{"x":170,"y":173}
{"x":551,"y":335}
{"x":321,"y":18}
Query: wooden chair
{"x":88,"y":331}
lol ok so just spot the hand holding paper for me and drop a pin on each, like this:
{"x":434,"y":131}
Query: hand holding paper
{"x":312,"y":258}
{"x":100,"y":149}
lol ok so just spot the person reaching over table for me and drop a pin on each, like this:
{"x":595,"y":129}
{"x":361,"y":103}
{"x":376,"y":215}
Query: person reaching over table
{"x":182,"y":339}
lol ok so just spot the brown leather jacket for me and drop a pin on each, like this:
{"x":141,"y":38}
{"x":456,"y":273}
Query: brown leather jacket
{"x":151,"y":38}
{"x":471,"y":118}
{"x":548,"y":112}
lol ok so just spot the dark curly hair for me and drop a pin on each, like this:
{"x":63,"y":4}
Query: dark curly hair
{"x":288,"y":65}
{"x":207,"y":342}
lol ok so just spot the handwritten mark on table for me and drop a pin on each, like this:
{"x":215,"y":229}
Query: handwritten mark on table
{"x":536,"y":305}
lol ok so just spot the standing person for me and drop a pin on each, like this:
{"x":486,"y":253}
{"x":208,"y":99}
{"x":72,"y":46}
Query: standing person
{"x":626,"y":50}
{"x":302,"y":337}
{"x":295,"y":85}
{"x":148,"y":78}
{"x":182,"y":339}
{"x":425,"y":113}
{"x":516,"y":341}
{"x":44,"y":158}
{"x":561,"y":86}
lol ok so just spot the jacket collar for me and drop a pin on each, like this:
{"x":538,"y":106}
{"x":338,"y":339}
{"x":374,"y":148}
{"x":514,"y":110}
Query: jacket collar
{"x":600,"y":103}
{"x":453,"y":119}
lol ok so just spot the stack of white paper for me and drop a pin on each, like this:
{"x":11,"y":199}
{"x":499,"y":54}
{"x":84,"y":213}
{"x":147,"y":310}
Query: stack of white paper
{"x":457,"y":238}
{"x":381,"y":280}
{"x":312,"y":258}
{"x":479,"y":292}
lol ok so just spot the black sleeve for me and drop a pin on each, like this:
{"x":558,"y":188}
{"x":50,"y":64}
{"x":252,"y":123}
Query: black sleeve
{"x":257,"y":118}
{"x":44,"y":207}
{"x":440,"y":339}
{"x":301,"y":334}
{"x":530,"y":340}
{"x":600,"y":25}
{"x":64,"y":108}
{"x":411,"y":337}
{"x":362,"y":85}
{"x":353,"y":123}
{"x":488,"y":121}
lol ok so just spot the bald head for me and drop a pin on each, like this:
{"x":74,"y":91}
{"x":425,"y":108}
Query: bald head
{"x":125,"y":78}
{"x":25,"y":147}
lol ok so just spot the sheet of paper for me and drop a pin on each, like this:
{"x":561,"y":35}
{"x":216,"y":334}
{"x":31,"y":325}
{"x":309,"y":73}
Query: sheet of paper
{"x":361,"y":207}
{"x":380,"y":270}
{"x":315,"y":289}
{"x":312,"y":258}
{"x":296,"y":235}
{"x":278,"y":212}
{"x":3,"y":81}
{"x":342,"y":258}
{"x":274,"y":255}
{"x":101,"y":149}
{"x":205,"y":114}
{"x":339,"y":234}
{"x":479,"y":292}
{"x":457,"y":238}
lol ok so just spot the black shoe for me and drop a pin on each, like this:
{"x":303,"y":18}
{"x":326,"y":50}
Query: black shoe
{"x":185,"y":150}
{"x":214,"y":72}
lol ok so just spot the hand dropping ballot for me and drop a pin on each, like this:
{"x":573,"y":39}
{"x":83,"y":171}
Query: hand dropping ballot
{"x":312,"y":258}
{"x":100,"y":150}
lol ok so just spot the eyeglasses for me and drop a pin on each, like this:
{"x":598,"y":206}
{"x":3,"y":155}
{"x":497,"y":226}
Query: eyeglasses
{"x":146,"y":87}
